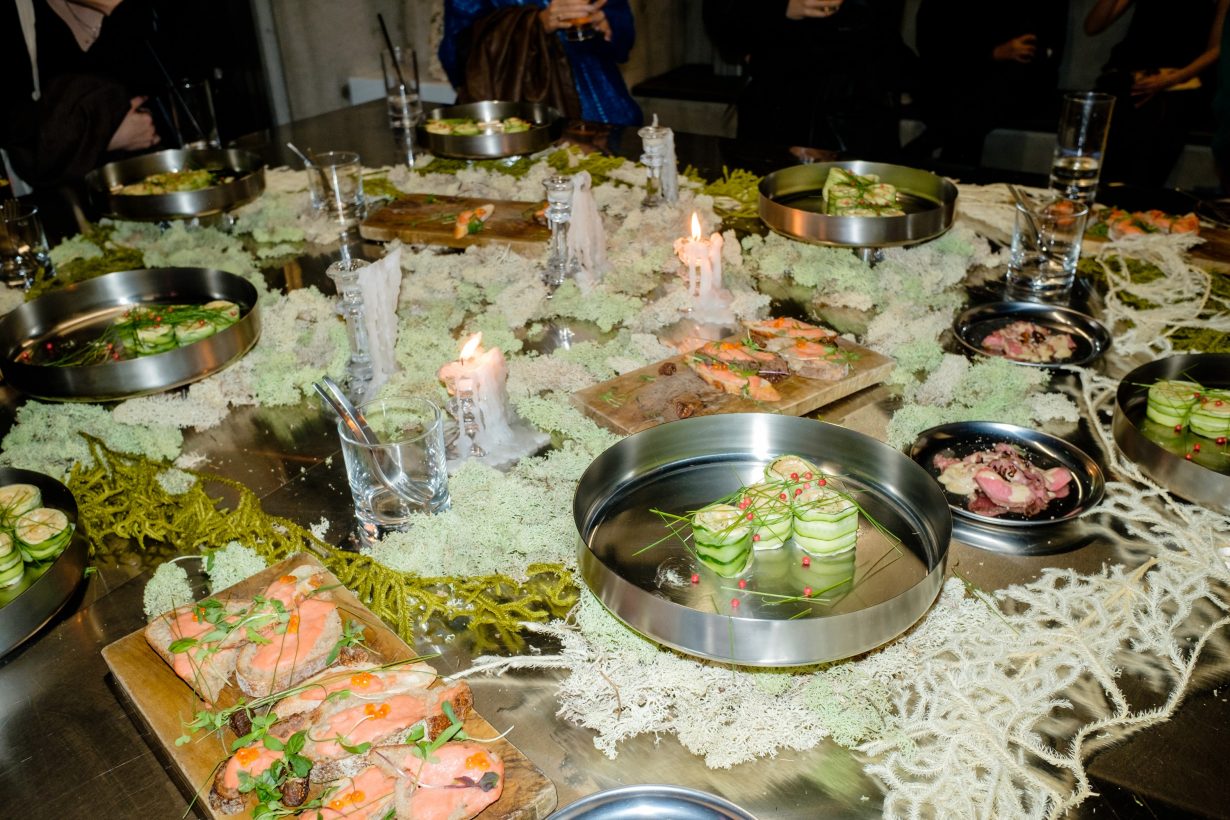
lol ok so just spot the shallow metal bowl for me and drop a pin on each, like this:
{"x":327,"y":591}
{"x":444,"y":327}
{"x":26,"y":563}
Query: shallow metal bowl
{"x":548,"y":125}
{"x":1193,"y":480}
{"x":657,"y":802}
{"x":1091,"y":336}
{"x":26,"y":607}
{"x":85,"y":309}
{"x":791,"y":204}
{"x":247,"y":186}
{"x":1041,"y":449}
{"x":861,"y":598}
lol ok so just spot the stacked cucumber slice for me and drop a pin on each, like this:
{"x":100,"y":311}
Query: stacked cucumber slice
{"x":29,"y":532}
{"x":794,"y":501}
{"x":1178,"y":404}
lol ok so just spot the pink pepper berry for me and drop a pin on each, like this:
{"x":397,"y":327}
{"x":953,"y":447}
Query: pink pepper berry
{"x":734,"y":603}
{"x":807,"y":475}
{"x":822,"y":482}
{"x":742,"y":584}
{"x":695,"y":578}
{"x":806,"y":592}
{"x":806,"y":561}
{"x":794,"y":476}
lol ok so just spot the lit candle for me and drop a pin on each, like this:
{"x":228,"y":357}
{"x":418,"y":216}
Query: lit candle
{"x":695,"y":255}
{"x":484,"y":375}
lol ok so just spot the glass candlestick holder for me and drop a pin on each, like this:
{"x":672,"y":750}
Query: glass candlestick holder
{"x":345,"y":276}
{"x":560,"y":265}
{"x":468,"y":415}
{"x":653,"y":137}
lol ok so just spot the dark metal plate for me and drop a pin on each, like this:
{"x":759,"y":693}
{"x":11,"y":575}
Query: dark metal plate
{"x":1091,"y":337}
{"x":247,"y":185}
{"x":27,"y":606}
{"x":1041,"y":449}
{"x":862,"y":598}
{"x":657,"y":802}
{"x":791,"y":204}
{"x":1204,"y":479}
{"x":548,"y":125}
{"x":85,"y":309}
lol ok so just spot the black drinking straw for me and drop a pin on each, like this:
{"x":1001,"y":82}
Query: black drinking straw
{"x":388,"y":41}
{"x":174,"y":93}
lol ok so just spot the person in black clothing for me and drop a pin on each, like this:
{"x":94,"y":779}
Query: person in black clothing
{"x":1160,"y":74}
{"x":985,"y":66}
{"x":68,"y":67}
{"x":823,"y":73}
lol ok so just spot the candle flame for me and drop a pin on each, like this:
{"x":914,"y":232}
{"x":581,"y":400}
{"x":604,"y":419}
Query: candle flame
{"x":695,"y":227}
{"x":471,"y":347}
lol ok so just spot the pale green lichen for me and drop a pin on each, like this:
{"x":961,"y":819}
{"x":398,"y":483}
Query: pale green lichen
{"x":230,"y":565}
{"x":167,"y":589}
{"x":176,"y":481}
{"x":73,"y":249}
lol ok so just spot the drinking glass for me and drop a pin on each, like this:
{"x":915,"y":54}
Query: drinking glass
{"x":1046,"y":245}
{"x":579,"y":29}
{"x":192,"y":114}
{"x":23,"y":246}
{"x":335,"y":181}
{"x":402,"y":475}
{"x":1084,"y":122}
{"x":401,"y":87}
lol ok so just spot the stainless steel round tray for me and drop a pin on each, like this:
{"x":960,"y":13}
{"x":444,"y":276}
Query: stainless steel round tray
{"x":548,"y":125}
{"x":1206,"y":478}
{"x":1041,"y":449}
{"x":791,"y":204}
{"x":1091,"y":336}
{"x":861,"y":599}
{"x":44,"y":590}
{"x":657,"y":802}
{"x":248,"y":184}
{"x":84,"y":310}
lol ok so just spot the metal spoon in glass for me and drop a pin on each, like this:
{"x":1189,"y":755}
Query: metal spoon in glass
{"x":385,"y":466}
{"x":307,"y":163}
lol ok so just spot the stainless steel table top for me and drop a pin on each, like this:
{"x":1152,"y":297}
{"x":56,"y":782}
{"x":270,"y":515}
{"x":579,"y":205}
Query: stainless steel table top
{"x":68,"y":749}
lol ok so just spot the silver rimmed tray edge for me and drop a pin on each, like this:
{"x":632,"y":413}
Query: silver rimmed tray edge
{"x":1182,"y":477}
{"x":629,"y":802}
{"x":1085,"y":470}
{"x":130,"y":377}
{"x":32,"y":608}
{"x":548,"y":125}
{"x":1093,"y":332}
{"x":180,"y":204}
{"x":780,"y":187}
{"x":756,"y":641}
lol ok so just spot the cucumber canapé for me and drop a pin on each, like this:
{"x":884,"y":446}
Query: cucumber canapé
{"x":722,"y":536}
{"x":43,"y":533}
{"x":16,"y":500}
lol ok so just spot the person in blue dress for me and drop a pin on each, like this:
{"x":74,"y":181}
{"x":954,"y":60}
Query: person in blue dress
{"x":594,"y":63}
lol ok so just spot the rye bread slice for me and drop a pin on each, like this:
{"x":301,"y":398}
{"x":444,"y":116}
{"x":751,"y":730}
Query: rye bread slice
{"x":210,"y":666}
{"x":365,"y":680}
{"x":292,"y":662}
{"x":455,"y":778}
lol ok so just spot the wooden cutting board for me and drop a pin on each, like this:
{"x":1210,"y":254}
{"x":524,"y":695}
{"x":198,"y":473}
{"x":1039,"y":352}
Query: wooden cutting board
{"x":652,"y":395}
{"x":164,"y":701}
{"x":429,"y":219}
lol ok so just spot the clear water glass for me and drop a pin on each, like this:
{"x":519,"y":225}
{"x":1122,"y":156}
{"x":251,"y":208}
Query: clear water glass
{"x":335,"y":182}
{"x":1084,"y":124}
{"x":403,"y":475}
{"x":401,"y":88}
{"x":24,"y":256}
{"x":1046,"y":245}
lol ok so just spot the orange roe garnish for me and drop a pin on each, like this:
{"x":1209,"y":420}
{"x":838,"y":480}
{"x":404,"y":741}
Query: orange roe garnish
{"x":478,"y":760}
{"x":288,"y":579}
{"x":292,"y":626}
{"x":361,"y":680}
{"x":247,"y":755}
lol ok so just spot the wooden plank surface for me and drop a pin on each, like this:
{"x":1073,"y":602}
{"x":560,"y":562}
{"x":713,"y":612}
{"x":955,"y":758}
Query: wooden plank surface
{"x":429,"y":219}
{"x":651,"y":395}
{"x":164,"y":702}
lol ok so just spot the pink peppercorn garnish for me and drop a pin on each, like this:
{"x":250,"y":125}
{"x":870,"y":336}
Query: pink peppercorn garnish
{"x":798,"y":491}
{"x":1217,"y":403}
{"x":734,"y":603}
{"x":806,"y":485}
{"x":695,"y":578}
{"x":1221,"y":439}
{"x":743,"y":503}
{"x":756,"y":537}
{"x":806,"y":592}
{"x":750,"y":516}
{"x":782,"y":496}
{"x":1178,"y":428}
{"x":807,"y":475}
{"x":1196,"y":447}
{"x":821,"y":482}
{"x":742,"y":584}
{"x":794,"y":476}
{"x":806,"y":561}
{"x":1188,"y":456}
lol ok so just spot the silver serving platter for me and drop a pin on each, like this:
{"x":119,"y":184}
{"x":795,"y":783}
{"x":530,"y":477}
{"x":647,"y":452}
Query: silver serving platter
{"x":84,"y":310}
{"x":861,"y":599}
{"x":1041,"y":449}
{"x":247,"y":185}
{"x":548,"y":125}
{"x":791,"y":204}
{"x":1206,"y":478}
{"x":657,"y":802}
{"x":26,"y":607}
{"x":1091,"y":336}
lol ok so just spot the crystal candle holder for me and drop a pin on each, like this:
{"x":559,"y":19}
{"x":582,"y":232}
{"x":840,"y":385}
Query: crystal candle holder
{"x":560,"y":265}
{"x":345,"y":276}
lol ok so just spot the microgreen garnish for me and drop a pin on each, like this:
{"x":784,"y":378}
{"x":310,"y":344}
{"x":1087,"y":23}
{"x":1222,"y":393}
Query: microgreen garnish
{"x":352,"y":635}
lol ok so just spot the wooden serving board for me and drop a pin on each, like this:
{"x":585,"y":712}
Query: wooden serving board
{"x":429,"y":219}
{"x":164,"y":702}
{"x":644,"y":398}
{"x":1213,"y":254}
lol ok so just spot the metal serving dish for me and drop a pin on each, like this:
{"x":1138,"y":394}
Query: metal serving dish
{"x":1091,"y":336}
{"x":862,"y":598}
{"x":26,"y":607}
{"x":247,"y":186}
{"x":1041,"y":449}
{"x":84,"y":310}
{"x":657,"y":802}
{"x":1206,"y":478}
{"x":791,"y":204}
{"x":548,"y":125}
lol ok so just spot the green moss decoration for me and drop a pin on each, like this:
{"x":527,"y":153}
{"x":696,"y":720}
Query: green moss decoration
{"x":129,"y":516}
